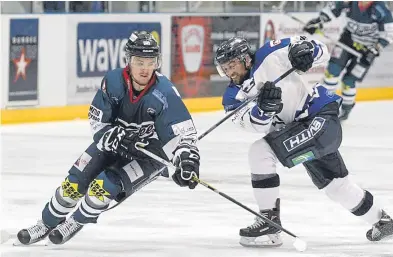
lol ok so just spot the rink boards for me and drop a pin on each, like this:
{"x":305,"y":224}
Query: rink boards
{"x":194,"y":105}
{"x":52,"y":65}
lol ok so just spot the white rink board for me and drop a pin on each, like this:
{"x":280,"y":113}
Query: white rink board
{"x":166,"y":220}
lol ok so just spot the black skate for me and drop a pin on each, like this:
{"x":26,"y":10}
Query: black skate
{"x":261,"y":234}
{"x":345,"y":111}
{"x":65,"y":231}
{"x":381,"y":230}
{"x":33,"y":234}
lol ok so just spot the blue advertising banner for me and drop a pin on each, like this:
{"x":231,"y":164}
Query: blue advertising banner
{"x":100,"y":48}
{"x":23,"y":62}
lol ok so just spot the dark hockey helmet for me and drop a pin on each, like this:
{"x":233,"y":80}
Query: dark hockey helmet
{"x":236,"y":47}
{"x":142,"y":44}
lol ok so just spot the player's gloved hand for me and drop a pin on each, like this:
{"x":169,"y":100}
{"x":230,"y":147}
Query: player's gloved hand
{"x":269,"y":100}
{"x":315,"y":24}
{"x":127,"y":146}
{"x":186,"y":160}
{"x":301,"y":55}
{"x":111,"y":138}
{"x":370,"y":54}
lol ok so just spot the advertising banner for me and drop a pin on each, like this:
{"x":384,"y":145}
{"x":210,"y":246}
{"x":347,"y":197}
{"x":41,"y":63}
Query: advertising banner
{"x":275,"y":26}
{"x":99,"y":49}
{"x":194,"y":42}
{"x":23,"y":62}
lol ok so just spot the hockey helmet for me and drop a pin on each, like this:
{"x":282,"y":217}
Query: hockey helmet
{"x":236,"y":47}
{"x":142,"y":44}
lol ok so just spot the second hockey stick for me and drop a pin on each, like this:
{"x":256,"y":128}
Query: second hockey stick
{"x":212,"y":128}
{"x":299,"y":244}
{"x":245,"y":103}
{"x":320,"y":32}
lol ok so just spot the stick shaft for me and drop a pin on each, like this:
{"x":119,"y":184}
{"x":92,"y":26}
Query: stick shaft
{"x":241,"y":106}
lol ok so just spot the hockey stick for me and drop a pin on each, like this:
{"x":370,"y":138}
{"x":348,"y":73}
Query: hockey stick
{"x":321,"y":33}
{"x":299,"y":244}
{"x":214,"y":127}
{"x":241,"y":106}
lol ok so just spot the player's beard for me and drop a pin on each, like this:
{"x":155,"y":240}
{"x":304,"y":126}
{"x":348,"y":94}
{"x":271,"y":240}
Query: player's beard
{"x":240,"y":79}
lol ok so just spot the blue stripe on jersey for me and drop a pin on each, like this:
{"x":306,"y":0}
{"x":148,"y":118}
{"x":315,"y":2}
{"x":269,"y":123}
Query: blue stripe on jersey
{"x":320,"y":98}
{"x":267,"y":49}
{"x":317,"y":48}
{"x":229,"y":100}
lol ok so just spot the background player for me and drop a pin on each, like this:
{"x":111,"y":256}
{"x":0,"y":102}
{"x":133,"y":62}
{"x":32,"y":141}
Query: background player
{"x":135,"y":104}
{"x":368,"y":30}
{"x":302,"y":126}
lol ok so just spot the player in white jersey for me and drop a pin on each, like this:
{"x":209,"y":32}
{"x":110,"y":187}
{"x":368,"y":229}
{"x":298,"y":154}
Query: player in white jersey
{"x":301,"y":125}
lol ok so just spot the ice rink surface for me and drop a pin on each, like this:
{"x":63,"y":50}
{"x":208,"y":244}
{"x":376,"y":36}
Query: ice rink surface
{"x":164,"y":220}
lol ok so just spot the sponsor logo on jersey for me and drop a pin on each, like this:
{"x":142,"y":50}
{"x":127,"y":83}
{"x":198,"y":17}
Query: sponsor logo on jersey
{"x":95,"y":114}
{"x":100,"y":46}
{"x":184,"y":128}
{"x":82,"y":161}
{"x":192,"y":38}
{"x":303,"y":158}
{"x":151,"y":111}
{"x":133,"y":170}
{"x":306,"y":135}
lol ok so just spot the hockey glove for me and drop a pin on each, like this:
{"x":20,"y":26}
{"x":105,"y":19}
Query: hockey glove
{"x":186,"y":160}
{"x":127,"y":146}
{"x":315,"y":24}
{"x":269,"y":99}
{"x":111,"y":138}
{"x":301,"y":55}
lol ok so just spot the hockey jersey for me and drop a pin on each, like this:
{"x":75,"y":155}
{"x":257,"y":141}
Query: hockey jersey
{"x":157,"y":112}
{"x":367,"y":27}
{"x":300,"y":100}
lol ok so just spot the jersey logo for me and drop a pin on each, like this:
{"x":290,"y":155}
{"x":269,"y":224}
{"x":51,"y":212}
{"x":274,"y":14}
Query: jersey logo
{"x":144,"y":130}
{"x":275,"y":42}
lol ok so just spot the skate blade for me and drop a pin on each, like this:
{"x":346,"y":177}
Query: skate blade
{"x":267,"y":241}
{"x":17,"y":243}
{"x":47,"y":242}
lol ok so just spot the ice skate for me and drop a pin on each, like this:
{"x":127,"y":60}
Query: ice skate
{"x":345,"y":111}
{"x":382,"y":230}
{"x":261,"y":234}
{"x":33,"y":234}
{"x":65,"y":231}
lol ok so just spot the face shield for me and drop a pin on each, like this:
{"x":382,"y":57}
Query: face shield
{"x":225,"y":69}
{"x":143,"y":62}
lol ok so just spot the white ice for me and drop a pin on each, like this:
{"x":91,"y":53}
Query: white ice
{"x":164,"y":220}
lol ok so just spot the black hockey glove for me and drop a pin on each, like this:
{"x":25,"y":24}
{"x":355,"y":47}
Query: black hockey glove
{"x":301,"y":55}
{"x":269,"y":99}
{"x":315,"y":24}
{"x":186,"y":160}
{"x":111,"y":138}
{"x":370,"y":54}
{"x":127,"y":146}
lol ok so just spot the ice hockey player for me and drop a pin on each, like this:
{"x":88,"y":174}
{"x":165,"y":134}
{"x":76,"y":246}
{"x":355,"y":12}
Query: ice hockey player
{"x":135,"y":104}
{"x":368,"y":30}
{"x":301,"y":125}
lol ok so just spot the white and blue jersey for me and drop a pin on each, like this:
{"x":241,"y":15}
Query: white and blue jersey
{"x":300,"y":100}
{"x":367,"y":27}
